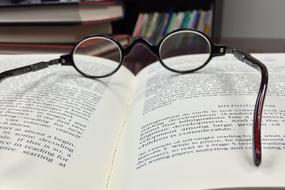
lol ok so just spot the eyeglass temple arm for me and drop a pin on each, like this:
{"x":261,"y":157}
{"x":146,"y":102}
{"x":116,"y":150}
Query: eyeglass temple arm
{"x":251,"y":61}
{"x":63,"y":60}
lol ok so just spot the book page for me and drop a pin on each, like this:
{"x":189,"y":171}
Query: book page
{"x":194,"y":131}
{"x":58,"y":129}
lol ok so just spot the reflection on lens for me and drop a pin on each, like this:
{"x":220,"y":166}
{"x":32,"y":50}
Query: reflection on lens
{"x":97,"y":56}
{"x":184,"y":50}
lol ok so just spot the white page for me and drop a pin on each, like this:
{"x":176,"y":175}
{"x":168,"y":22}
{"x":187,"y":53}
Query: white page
{"x":70,"y":143}
{"x":194,"y":131}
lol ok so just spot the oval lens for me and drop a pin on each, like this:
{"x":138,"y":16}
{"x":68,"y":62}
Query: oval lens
{"x":97,"y":56}
{"x":184,"y":51}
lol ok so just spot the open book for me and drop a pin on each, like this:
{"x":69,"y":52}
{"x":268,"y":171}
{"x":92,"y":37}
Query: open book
{"x":155,"y":130}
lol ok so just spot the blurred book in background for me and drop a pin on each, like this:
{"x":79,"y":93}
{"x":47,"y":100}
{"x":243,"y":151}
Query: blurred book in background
{"x":61,"y":48}
{"x":31,"y":2}
{"x":83,"y":12}
{"x":51,"y":33}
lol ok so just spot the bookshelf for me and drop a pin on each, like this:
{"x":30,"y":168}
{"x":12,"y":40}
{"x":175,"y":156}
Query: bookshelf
{"x":134,"y":7}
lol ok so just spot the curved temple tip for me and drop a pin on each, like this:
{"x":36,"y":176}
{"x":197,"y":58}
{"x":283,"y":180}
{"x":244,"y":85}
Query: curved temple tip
{"x":257,"y":162}
{"x":257,"y":158}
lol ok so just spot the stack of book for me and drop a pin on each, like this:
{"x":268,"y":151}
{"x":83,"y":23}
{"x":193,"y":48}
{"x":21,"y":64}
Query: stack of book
{"x":153,"y":26}
{"x":54,"y":26}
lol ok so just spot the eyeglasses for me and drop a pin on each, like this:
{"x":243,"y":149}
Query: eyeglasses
{"x":101,"y":56}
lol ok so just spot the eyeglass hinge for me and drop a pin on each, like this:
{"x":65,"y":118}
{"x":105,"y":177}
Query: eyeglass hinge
{"x":219,"y":50}
{"x":240,"y":55}
{"x":66,"y":59}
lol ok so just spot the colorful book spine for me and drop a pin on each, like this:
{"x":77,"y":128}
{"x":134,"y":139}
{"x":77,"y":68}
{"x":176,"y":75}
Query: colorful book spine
{"x":152,"y":26}
{"x":138,"y":26}
{"x":171,"y":23}
{"x":186,"y":19}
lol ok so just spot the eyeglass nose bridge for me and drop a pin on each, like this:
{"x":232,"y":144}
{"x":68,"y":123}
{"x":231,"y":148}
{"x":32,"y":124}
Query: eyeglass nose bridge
{"x":152,"y":48}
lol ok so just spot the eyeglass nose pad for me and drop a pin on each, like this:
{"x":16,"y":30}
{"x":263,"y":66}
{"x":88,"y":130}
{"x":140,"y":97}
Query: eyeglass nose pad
{"x":153,"y":49}
{"x":134,"y":51}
